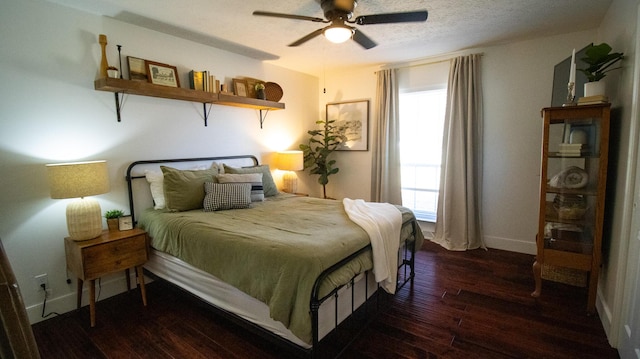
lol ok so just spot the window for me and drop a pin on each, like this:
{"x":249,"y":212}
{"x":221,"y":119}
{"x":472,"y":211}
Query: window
{"x":421,"y":130}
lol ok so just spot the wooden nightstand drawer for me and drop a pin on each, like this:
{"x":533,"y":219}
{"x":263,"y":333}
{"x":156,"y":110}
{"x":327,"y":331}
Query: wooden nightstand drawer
{"x":114,"y":256}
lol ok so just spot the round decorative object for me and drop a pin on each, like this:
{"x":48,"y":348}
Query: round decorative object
{"x":273,"y":91}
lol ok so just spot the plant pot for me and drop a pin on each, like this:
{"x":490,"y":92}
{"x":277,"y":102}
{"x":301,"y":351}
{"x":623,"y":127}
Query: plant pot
{"x":593,"y":88}
{"x":260,"y":94}
{"x":112,"y":223}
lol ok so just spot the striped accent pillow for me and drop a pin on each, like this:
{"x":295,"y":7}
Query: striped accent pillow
{"x":220,"y":196}
{"x":255,"y":179}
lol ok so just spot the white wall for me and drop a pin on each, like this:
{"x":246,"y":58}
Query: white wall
{"x":517,"y":83}
{"x":619,"y":30}
{"x":51,"y":113}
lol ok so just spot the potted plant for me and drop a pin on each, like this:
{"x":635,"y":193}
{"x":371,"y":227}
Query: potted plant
{"x":112,"y":218}
{"x":260,"y":91}
{"x":112,"y":72}
{"x":600,"y":59}
{"x":316,"y":153}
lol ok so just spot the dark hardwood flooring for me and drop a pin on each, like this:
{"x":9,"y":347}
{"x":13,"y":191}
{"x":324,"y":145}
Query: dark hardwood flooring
{"x":473,"y":304}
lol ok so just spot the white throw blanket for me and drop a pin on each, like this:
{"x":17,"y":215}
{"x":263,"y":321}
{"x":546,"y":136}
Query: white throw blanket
{"x":382,"y":222}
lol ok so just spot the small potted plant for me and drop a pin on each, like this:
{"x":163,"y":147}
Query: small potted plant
{"x":260,"y":94}
{"x":112,"y":218}
{"x":112,"y":72}
{"x":600,"y":59}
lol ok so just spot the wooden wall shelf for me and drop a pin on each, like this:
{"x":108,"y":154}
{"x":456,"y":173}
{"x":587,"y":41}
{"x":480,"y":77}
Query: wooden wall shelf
{"x":142,"y":88}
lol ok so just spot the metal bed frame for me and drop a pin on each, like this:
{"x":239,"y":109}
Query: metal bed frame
{"x":406,"y":273}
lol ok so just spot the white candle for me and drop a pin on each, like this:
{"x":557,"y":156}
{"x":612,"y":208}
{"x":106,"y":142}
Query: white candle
{"x":572,"y":72}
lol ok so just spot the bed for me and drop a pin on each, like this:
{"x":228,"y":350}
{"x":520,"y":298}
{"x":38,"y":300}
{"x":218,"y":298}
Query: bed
{"x":291,"y":267}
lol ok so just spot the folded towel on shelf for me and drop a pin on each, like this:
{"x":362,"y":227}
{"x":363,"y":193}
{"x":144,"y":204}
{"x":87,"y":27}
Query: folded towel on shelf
{"x":571,"y":177}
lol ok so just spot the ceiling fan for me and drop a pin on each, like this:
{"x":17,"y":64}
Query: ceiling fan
{"x":339,"y":14}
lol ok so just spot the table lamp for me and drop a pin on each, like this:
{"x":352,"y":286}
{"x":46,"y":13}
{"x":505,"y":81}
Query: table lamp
{"x":290,"y":161}
{"x":79,"y":180}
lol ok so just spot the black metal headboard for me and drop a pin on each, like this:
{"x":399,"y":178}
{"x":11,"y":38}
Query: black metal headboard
{"x":136,"y":170}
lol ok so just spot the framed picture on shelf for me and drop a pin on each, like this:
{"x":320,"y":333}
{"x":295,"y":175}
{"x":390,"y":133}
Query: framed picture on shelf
{"x":137,"y":69}
{"x":162,"y":74}
{"x":352,"y":120}
{"x":240,"y":87}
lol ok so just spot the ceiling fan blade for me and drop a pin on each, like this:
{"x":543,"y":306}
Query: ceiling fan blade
{"x":363,"y":40}
{"x":392,"y":18}
{"x":307,"y":38}
{"x":289,"y":16}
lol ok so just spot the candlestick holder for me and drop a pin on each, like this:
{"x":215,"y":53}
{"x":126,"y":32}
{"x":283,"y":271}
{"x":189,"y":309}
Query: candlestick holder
{"x":571,"y":95}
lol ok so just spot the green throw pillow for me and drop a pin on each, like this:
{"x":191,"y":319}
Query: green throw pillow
{"x":184,"y":189}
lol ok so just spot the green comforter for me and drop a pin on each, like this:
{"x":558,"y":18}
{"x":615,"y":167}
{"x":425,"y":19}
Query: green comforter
{"x":273,"y":251}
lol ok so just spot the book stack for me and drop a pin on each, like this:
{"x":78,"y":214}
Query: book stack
{"x":572,"y":149}
{"x":593,"y":100}
{"x":203,"y":81}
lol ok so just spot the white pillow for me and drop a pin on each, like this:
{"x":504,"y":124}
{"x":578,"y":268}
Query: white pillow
{"x":254,"y":179}
{"x":156,"y":185}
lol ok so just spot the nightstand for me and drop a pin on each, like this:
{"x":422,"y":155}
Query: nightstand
{"x":113,"y":251}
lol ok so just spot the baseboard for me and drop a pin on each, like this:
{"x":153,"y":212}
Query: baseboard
{"x":109,"y":287}
{"x":606,"y":317}
{"x":510,"y":244}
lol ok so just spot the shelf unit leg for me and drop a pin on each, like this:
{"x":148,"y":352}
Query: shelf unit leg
{"x":537,"y":276}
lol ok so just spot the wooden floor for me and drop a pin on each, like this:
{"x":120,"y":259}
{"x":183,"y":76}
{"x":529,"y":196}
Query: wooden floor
{"x":473,"y":304}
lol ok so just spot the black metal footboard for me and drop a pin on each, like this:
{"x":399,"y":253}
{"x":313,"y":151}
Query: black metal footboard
{"x":406,"y":273}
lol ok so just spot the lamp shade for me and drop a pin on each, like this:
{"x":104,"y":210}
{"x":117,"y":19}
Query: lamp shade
{"x":78,"y":180}
{"x":290,"y":160}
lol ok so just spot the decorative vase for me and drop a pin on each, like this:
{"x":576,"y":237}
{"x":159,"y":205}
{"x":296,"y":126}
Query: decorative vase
{"x":260,"y":94}
{"x":593,"y":88}
{"x":112,"y":223}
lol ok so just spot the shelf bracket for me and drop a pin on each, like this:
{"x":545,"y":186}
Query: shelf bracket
{"x":206,"y":113}
{"x":118,"y":105}
{"x":263,"y":117}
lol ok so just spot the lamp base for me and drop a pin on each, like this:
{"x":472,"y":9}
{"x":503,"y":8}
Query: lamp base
{"x":84,"y":219}
{"x":290,"y":182}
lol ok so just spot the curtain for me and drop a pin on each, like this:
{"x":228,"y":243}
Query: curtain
{"x":385,"y":179}
{"x":458,"y":224}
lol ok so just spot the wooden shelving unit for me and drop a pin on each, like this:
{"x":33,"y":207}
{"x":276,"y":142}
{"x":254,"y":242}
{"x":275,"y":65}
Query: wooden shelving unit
{"x":574,"y":241}
{"x":141,"y":88}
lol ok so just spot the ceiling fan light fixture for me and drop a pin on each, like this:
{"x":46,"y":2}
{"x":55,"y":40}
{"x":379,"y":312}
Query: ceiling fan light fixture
{"x":338,"y":34}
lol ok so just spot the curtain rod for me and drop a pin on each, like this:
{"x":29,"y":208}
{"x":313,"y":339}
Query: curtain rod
{"x":425,"y":62}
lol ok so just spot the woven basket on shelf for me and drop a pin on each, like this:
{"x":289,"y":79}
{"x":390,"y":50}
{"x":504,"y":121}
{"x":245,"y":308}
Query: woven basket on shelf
{"x":570,"y":206}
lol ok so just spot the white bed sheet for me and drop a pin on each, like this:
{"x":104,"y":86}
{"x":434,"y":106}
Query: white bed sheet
{"x":224,"y":296}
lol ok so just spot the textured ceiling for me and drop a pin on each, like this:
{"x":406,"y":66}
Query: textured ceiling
{"x":453,"y":25}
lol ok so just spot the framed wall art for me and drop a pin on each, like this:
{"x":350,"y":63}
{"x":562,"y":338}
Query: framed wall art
{"x":352,"y":120}
{"x":137,"y":69}
{"x":162,"y":74}
{"x":240,"y":87}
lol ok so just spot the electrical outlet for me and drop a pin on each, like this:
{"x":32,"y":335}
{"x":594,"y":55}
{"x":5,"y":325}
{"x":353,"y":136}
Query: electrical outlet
{"x":42,"y":279}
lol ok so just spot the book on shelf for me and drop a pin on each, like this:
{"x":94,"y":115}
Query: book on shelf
{"x":196,"y":80}
{"x":573,"y":149}
{"x":592,"y":100}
